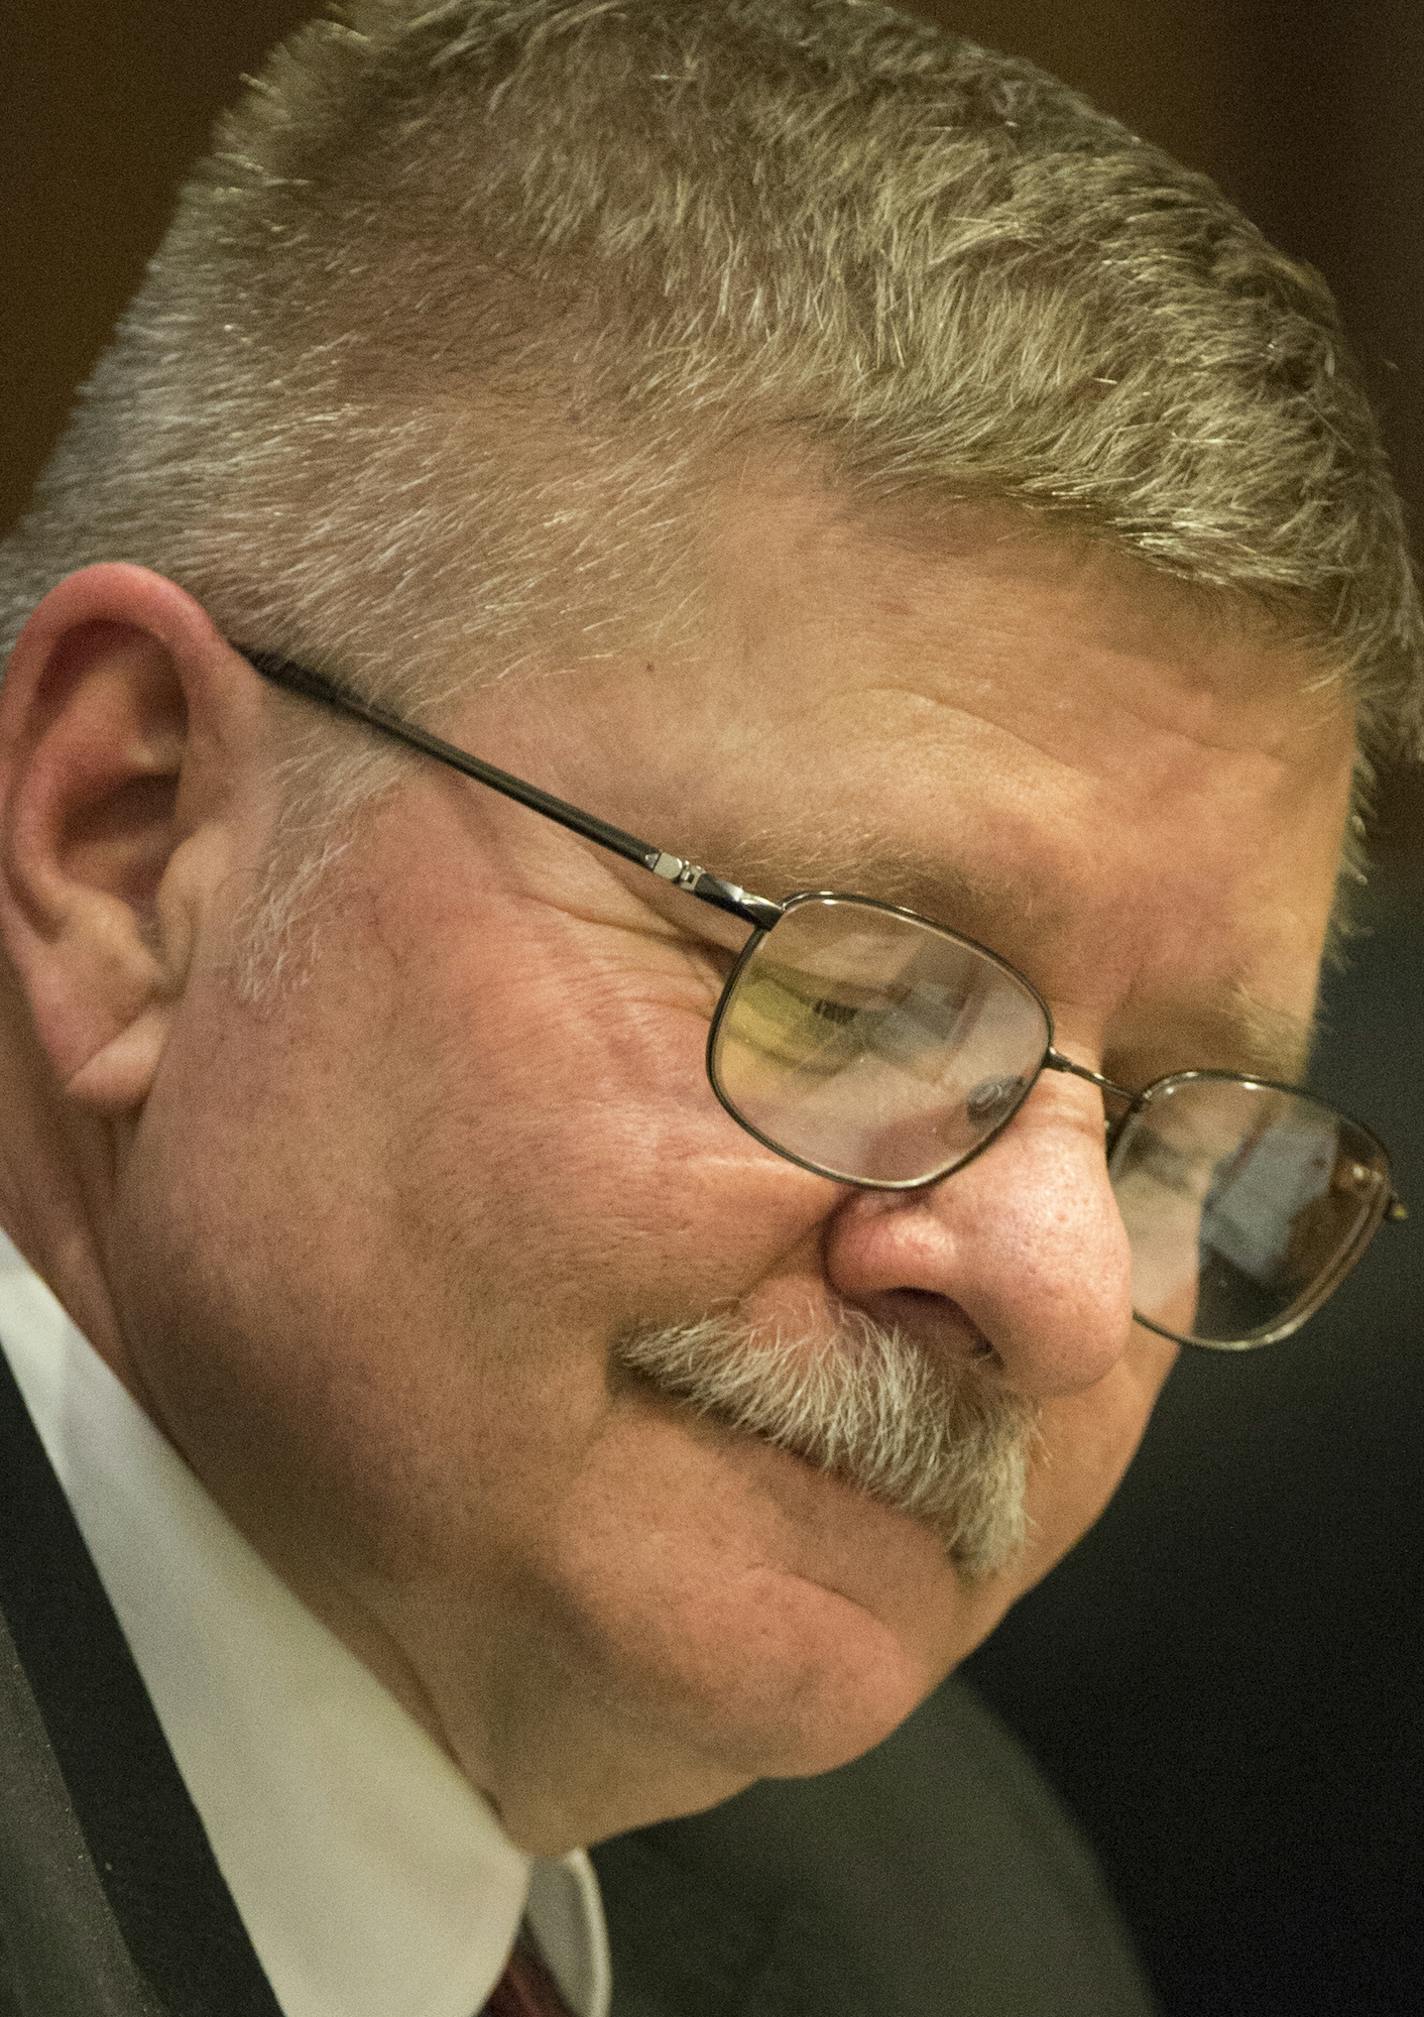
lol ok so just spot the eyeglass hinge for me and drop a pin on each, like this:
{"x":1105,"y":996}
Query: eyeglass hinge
{"x":672,"y":868}
{"x":728,"y":896}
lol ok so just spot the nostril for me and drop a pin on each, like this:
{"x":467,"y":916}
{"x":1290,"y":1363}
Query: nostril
{"x":933,"y":1321}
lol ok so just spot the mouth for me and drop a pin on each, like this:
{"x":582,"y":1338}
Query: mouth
{"x":862,"y":1406}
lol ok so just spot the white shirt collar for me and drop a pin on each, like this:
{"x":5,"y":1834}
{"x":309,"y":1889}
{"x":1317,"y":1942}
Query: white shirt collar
{"x":372,"y":1879}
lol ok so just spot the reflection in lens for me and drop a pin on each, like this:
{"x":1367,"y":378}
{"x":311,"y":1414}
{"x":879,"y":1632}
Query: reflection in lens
{"x":994,"y":1100}
{"x":873,"y":1045}
{"x":1243,"y":1203}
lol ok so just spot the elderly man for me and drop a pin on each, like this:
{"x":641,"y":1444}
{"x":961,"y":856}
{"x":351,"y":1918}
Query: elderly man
{"x":557,"y":1292}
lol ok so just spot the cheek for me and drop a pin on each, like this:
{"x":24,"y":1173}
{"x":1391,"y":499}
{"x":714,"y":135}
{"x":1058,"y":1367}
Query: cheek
{"x":565,"y":1107}
{"x":454,"y":1180}
{"x":540,"y":1034}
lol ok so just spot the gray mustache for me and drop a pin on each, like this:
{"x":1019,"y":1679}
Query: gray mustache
{"x":941,"y":1442}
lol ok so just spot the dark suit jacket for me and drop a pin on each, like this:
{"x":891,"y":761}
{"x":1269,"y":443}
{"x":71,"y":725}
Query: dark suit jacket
{"x":934,"y":1878}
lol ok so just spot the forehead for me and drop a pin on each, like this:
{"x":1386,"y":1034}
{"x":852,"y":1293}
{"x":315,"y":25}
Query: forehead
{"x":979,"y":606}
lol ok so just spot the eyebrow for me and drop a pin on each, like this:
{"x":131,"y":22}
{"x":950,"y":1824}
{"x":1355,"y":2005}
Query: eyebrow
{"x":1253,"y":1036}
{"x":801,"y":854}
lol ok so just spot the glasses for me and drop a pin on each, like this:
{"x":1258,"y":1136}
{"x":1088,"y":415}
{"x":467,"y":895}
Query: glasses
{"x":875,"y":1047}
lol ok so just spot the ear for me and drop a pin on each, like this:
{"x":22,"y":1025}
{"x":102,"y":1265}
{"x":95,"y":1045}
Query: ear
{"x":120,"y":716}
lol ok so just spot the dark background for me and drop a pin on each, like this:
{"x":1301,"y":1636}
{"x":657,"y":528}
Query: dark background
{"x":1223,"y":1678}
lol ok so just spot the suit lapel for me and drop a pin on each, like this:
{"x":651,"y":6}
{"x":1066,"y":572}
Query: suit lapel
{"x":691,"y":1939}
{"x":144,"y":1845}
{"x":61,"y":1952}
{"x":682,"y":1944}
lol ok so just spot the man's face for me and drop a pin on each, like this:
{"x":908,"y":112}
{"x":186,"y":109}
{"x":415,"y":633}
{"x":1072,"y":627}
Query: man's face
{"x":378,"y":1238}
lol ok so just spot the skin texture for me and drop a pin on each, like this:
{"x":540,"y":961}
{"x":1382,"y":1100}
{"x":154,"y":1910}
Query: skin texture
{"x":362,"y":1249}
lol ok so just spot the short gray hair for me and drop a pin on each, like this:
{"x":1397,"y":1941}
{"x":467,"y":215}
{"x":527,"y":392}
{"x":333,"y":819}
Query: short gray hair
{"x":471,"y":298}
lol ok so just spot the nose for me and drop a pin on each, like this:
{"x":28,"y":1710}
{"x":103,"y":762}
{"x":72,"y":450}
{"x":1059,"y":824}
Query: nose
{"x":1022,"y":1250}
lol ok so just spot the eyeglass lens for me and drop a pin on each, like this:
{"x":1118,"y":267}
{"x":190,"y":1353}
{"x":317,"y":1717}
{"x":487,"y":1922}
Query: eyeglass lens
{"x":1244,"y":1205}
{"x":872,"y":1046}
{"x":880,"y":1048}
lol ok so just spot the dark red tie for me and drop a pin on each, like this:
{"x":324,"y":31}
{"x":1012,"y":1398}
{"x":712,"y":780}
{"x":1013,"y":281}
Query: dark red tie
{"x":525,"y":1989}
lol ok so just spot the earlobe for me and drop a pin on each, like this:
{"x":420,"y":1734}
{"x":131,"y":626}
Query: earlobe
{"x":98,"y":809}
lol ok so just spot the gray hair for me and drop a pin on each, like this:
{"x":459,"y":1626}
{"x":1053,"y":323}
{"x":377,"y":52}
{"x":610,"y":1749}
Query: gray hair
{"x":471,"y":300}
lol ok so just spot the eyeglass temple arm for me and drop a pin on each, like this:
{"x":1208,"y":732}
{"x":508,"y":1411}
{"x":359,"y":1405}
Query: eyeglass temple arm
{"x":710,"y":889}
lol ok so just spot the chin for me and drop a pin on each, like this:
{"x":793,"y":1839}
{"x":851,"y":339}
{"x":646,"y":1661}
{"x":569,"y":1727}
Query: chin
{"x":795,"y":1686}
{"x":696,"y":1611}
{"x":848,"y":1705}
{"x":799,"y":1691}
{"x":759,"y":1633}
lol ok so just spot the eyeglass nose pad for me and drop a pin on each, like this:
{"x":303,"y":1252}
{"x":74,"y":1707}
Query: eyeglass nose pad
{"x":993,"y":1099}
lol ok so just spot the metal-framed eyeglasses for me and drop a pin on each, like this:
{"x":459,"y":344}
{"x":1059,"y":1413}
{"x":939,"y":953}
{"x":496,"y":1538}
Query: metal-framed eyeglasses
{"x":878,"y":1048}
